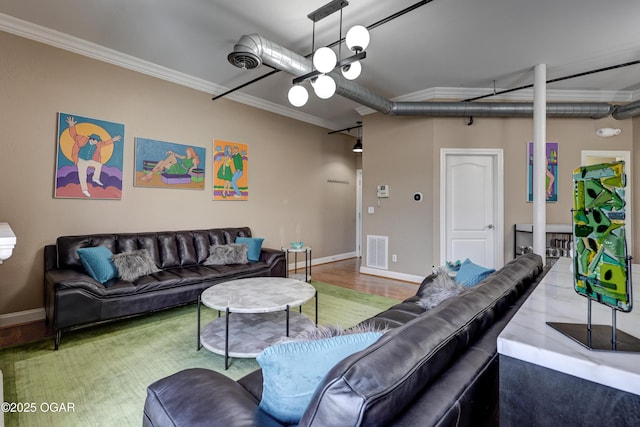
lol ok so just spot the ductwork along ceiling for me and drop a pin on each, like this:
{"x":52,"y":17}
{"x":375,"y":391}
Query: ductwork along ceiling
{"x":253,"y":50}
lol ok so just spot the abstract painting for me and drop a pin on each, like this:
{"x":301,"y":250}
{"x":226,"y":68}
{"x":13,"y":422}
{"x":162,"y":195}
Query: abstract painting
{"x":168,"y":165}
{"x":89,"y":158}
{"x":551,"y":181}
{"x":600,"y":261}
{"x":230,"y":171}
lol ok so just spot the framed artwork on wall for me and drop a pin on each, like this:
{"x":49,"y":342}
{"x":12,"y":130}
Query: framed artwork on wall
{"x":89,"y":158}
{"x":168,"y":165}
{"x":230,"y":171}
{"x":551,"y":181}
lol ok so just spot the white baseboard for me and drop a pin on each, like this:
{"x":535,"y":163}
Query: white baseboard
{"x":318,"y":261}
{"x":392,"y":275}
{"x":26,"y":316}
{"x":365,"y":270}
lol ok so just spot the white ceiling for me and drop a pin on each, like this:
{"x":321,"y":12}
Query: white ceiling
{"x":444,"y":49}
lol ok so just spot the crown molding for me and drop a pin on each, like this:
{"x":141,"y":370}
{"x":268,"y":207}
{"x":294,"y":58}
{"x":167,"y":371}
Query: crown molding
{"x":281,"y":110}
{"x":69,"y":43}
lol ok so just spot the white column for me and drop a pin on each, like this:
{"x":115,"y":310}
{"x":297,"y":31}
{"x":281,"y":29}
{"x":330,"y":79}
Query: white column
{"x":539,"y":159}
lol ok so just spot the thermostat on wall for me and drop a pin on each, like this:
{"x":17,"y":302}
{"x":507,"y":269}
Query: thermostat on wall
{"x":382,"y":191}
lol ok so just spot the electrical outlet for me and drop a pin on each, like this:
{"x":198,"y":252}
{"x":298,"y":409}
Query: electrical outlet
{"x":394,"y":258}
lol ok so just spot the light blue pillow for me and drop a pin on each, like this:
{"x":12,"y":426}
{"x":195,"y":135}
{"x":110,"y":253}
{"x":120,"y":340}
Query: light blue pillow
{"x":291,"y":371}
{"x":254,"y":244}
{"x":97,"y":261}
{"x":470,"y":274}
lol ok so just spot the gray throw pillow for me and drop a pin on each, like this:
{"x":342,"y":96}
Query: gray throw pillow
{"x":131,"y":265}
{"x":441,"y":288}
{"x":233,"y":253}
{"x":329,"y":331}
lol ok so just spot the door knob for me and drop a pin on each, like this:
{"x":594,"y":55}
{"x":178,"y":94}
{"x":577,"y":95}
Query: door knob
{"x":490,"y":226}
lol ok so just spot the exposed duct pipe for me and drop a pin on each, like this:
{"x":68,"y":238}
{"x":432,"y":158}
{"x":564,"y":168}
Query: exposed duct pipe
{"x":499,"y":109}
{"x":253,"y":50}
{"x":622,"y":112}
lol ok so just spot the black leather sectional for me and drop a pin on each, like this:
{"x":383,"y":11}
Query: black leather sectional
{"x":433,"y":368}
{"x":74,"y":299}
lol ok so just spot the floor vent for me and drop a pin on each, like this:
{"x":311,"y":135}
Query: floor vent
{"x":377,"y":248}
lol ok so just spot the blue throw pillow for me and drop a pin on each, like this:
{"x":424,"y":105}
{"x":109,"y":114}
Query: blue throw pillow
{"x":469,"y":273}
{"x":97,"y":261}
{"x":291,"y":371}
{"x":254,"y":244}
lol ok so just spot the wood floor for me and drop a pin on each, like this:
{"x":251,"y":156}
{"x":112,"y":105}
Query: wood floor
{"x":340,"y":273}
{"x":347,"y":274}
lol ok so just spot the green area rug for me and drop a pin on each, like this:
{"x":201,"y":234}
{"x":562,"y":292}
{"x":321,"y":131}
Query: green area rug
{"x":99,"y":376}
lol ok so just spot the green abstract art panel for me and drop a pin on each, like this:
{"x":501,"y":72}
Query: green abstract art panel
{"x":600,"y":261}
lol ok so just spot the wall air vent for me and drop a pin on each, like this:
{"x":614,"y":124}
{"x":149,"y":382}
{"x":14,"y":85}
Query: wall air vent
{"x":377,"y":249}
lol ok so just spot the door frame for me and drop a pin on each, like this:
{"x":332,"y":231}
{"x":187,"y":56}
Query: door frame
{"x":498,"y":183}
{"x":358,"y":213}
{"x":628,"y":170}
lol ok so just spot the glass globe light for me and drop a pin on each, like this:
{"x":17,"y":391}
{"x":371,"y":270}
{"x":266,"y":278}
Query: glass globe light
{"x":324,"y":59}
{"x":357,"y":38}
{"x":352,"y":71}
{"x":325,"y":87}
{"x":298,"y":95}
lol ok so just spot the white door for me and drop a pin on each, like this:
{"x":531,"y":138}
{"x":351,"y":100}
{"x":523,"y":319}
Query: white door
{"x":471,"y":193}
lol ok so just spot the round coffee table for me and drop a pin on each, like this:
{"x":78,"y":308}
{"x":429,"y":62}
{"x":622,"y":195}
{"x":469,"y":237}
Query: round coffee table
{"x":257,"y":311}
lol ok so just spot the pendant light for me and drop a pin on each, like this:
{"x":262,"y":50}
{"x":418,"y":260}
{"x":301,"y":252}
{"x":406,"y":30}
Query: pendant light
{"x":357,"y":147}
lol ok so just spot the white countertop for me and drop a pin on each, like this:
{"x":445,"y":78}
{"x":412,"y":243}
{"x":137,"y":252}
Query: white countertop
{"x":527,"y":337}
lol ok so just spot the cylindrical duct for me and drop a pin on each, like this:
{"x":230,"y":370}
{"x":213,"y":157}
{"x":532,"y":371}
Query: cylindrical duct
{"x":498,"y":109}
{"x":353,"y":91}
{"x":271,"y":54}
{"x":622,"y":112}
{"x":253,"y":50}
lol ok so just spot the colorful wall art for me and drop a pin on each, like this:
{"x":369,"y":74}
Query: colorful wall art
{"x":230,"y":171}
{"x":169,"y":165}
{"x":89,"y":158}
{"x":551,"y":183}
{"x":600,"y":261}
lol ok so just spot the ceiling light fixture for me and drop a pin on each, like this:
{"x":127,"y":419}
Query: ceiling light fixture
{"x":324,"y":87}
{"x":325,"y":59}
{"x":357,"y":147}
{"x":298,"y":96}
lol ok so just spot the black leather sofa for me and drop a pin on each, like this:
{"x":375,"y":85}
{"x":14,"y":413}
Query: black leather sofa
{"x":74,"y":299}
{"x":433,"y":368}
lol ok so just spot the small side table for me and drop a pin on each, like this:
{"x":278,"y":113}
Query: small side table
{"x":306,"y":250}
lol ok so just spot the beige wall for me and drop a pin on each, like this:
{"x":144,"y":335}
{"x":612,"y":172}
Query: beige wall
{"x":405,"y":153}
{"x":290,"y":163}
{"x":399,"y":152}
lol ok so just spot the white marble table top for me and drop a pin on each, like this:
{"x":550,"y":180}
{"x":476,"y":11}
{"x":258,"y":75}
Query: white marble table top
{"x":258,"y":294}
{"x":527,"y":336}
